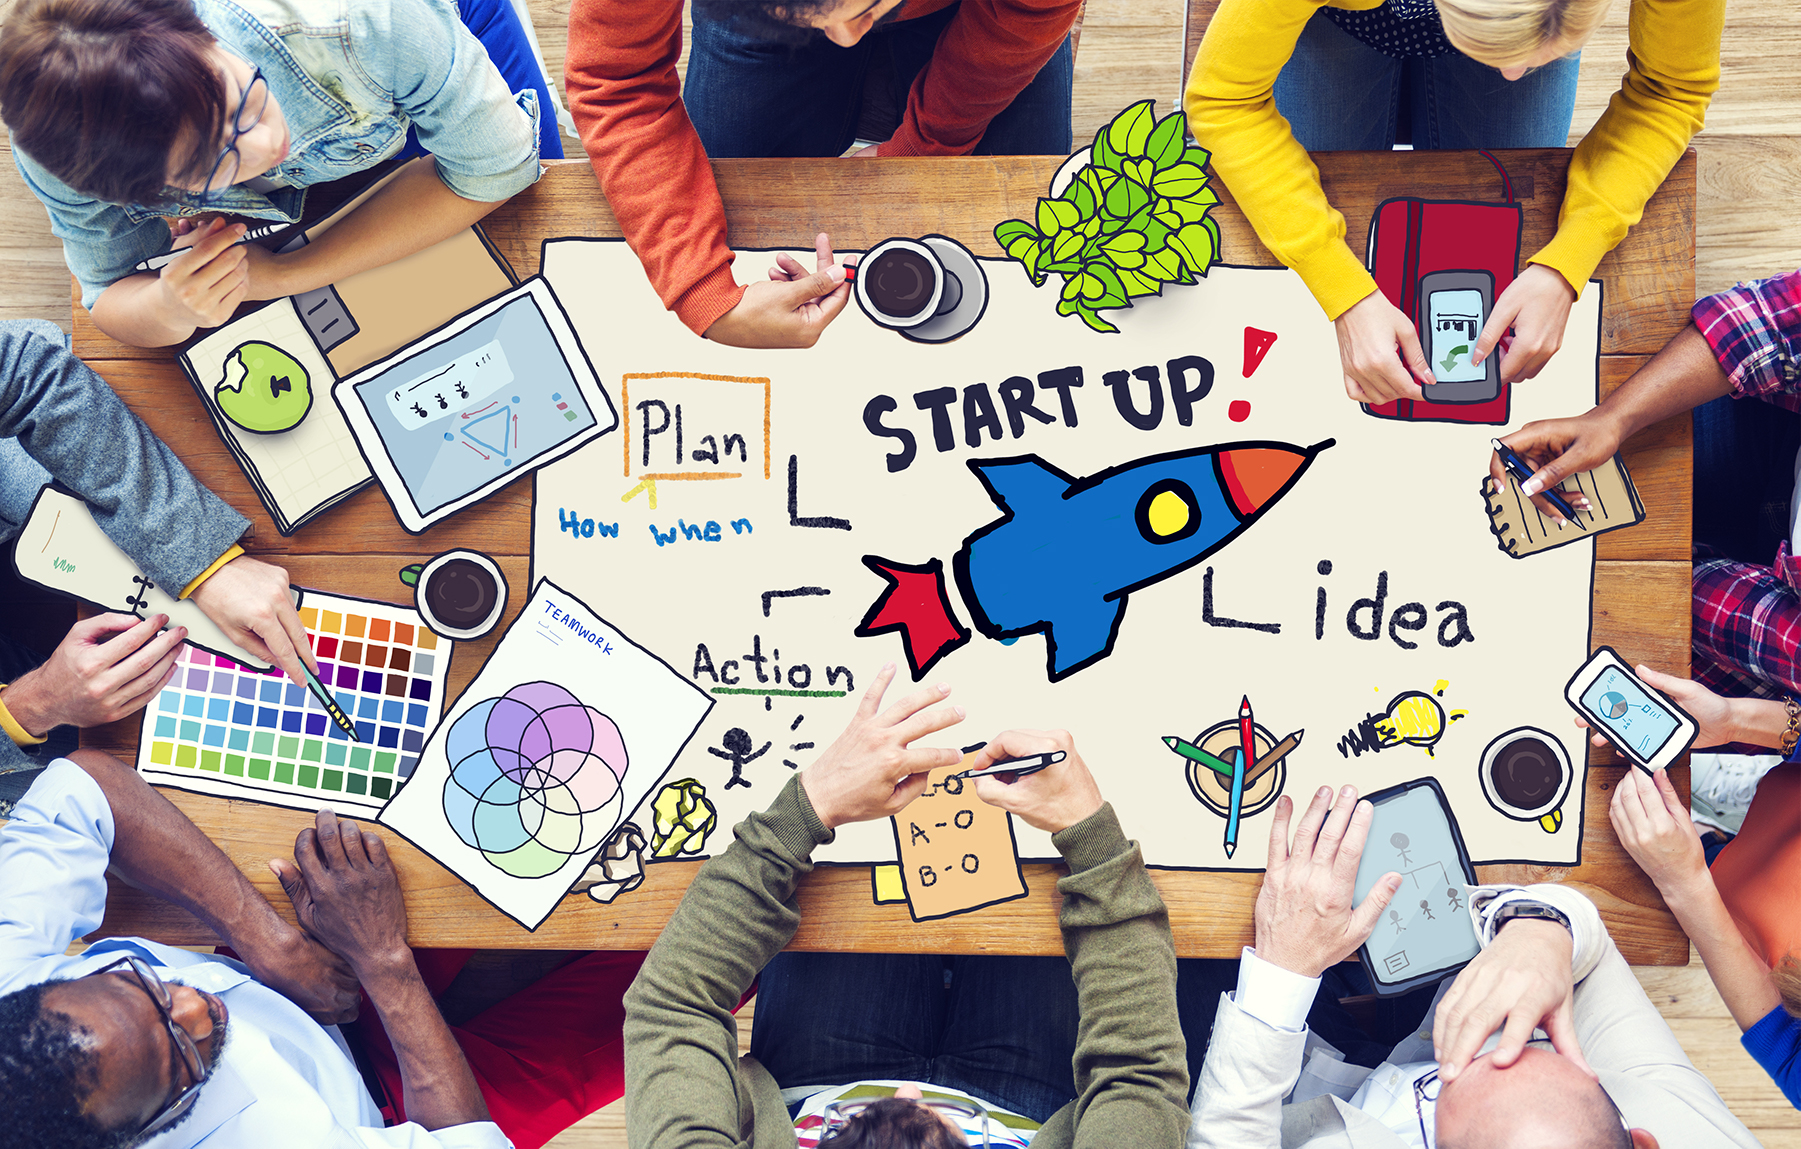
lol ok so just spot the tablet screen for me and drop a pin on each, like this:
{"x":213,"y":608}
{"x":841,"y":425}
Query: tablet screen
{"x":1630,"y":715}
{"x":1426,"y":929}
{"x":480,"y":405}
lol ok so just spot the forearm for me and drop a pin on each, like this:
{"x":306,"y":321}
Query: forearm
{"x":410,"y":213}
{"x":135,"y":312}
{"x":1681,"y":377}
{"x":1758,"y":721}
{"x":156,"y":848}
{"x":1738,"y":973}
{"x":438,"y":1088}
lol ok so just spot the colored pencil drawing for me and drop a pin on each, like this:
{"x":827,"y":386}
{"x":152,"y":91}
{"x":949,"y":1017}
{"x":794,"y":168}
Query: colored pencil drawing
{"x":265,"y":390}
{"x":1414,"y":718}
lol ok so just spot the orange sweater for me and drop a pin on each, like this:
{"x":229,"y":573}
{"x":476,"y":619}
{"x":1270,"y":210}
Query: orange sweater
{"x":626,"y":99}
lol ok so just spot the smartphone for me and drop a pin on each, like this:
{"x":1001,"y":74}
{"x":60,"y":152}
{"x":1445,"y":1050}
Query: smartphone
{"x":1453,"y":307}
{"x":1425,"y":934}
{"x":1642,"y":722}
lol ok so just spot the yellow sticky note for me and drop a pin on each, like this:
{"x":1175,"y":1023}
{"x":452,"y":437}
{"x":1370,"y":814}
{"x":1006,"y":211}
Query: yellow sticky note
{"x":889,"y":889}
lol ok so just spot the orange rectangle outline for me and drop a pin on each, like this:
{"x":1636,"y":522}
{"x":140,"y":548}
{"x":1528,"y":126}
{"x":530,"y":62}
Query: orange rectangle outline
{"x":625,"y":406}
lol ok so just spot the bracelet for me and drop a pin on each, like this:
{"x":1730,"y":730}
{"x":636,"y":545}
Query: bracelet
{"x":1792,"y":732}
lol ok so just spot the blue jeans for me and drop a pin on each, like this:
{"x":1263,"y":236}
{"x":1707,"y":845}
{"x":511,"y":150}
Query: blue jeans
{"x":497,"y":26}
{"x":1000,"y":1028}
{"x":753,"y":98}
{"x":1744,"y":477}
{"x":1341,"y":95}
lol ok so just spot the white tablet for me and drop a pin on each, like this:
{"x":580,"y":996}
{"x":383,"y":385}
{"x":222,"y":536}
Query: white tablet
{"x":495,"y":393}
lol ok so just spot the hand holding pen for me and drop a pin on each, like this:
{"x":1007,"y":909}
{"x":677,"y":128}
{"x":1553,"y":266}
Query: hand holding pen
{"x":203,"y":283}
{"x":1540,"y":485}
{"x":1052,"y":797}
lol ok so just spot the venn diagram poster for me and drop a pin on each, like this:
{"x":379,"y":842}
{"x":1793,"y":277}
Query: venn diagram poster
{"x":565,"y":730}
{"x":1181,"y":543}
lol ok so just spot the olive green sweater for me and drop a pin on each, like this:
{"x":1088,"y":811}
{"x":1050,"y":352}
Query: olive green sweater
{"x":685,"y":1085}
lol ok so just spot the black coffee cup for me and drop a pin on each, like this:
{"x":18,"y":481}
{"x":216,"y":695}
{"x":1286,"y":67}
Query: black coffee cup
{"x":901,"y":283}
{"x":461,"y":594}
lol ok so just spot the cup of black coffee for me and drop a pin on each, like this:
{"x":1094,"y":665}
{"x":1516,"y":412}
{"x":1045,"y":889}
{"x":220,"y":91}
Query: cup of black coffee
{"x":1526,"y":775}
{"x":901,"y":283}
{"x":461,"y":594}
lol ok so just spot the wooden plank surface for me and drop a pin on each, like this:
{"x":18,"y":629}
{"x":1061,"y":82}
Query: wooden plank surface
{"x":1641,"y":580}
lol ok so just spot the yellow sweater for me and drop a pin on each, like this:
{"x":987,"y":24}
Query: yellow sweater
{"x":1673,"y":69}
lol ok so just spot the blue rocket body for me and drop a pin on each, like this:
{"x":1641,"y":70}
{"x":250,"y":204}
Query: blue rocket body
{"x":1067,"y":552}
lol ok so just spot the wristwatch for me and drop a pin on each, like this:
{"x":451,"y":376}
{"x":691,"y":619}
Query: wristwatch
{"x":1528,"y":909}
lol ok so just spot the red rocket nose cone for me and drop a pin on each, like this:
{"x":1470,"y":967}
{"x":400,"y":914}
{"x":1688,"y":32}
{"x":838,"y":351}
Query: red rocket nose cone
{"x":1255,"y":475}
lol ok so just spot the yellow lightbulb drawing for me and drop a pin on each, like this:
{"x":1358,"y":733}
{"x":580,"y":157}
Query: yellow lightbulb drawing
{"x":1415,"y":719}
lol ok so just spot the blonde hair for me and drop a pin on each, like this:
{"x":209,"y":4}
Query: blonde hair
{"x":1507,"y":33}
{"x":1787,"y":976}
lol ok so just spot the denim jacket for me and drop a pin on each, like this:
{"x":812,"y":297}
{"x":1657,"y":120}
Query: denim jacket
{"x":351,"y":76}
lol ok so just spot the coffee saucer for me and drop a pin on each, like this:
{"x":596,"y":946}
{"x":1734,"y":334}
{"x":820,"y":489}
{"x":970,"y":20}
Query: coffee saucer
{"x":962,"y":263}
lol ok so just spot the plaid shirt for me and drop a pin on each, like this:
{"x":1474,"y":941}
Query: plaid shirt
{"x":1755,"y":332}
{"x":1747,"y":618}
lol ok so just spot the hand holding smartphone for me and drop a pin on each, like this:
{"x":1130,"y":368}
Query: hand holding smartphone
{"x":1643,"y":723}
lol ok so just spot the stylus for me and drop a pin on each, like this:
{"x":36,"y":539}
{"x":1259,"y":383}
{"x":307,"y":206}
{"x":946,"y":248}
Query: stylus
{"x":1517,"y":467}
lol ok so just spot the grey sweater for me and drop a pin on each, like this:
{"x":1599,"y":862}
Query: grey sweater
{"x":685,"y":1085}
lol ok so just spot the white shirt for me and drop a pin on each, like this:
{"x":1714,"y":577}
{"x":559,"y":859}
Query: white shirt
{"x":284,"y":1082}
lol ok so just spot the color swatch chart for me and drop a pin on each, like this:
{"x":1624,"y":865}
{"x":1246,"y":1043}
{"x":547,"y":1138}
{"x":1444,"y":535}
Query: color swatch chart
{"x":221,"y":728}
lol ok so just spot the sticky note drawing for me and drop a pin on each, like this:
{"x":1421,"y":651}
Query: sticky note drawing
{"x":1119,"y":530}
{"x":534,"y":778}
{"x":265,"y":390}
{"x":957,"y":853}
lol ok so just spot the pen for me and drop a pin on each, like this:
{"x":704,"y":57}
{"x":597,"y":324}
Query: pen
{"x":331,"y":707}
{"x":1018,"y":767}
{"x":1517,"y":467}
{"x":158,"y":262}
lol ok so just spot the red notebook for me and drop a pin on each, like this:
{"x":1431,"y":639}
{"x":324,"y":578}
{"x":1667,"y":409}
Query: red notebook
{"x":1411,"y":239}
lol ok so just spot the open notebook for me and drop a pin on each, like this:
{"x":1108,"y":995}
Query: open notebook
{"x":1521,"y":529}
{"x":63,"y":549}
{"x":322,"y":336}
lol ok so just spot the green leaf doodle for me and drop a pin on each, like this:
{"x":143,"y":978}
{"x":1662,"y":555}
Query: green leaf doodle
{"x":1134,"y":218}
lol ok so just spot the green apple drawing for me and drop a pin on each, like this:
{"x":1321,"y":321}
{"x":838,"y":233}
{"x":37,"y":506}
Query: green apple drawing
{"x":264,"y":390}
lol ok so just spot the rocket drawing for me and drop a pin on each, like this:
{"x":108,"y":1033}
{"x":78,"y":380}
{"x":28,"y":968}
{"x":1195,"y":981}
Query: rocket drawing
{"x":1066,"y":552}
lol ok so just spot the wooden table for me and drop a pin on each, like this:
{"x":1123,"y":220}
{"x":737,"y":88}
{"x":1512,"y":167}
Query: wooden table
{"x":1641,"y":600}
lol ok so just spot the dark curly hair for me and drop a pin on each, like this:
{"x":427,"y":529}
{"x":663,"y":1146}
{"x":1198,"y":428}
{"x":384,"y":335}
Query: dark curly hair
{"x":894,"y":1123}
{"x":46,"y":1073}
{"x":103,"y":93}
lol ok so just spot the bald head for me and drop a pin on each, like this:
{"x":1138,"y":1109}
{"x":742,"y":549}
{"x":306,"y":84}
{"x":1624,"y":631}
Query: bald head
{"x":1541,"y":1101}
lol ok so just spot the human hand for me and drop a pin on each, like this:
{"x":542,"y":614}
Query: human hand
{"x":1304,"y":919}
{"x":791,"y":309}
{"x":1537,"y":306}
{"x":1713,"y":714}
{"x":1052,"y":799}
{"x":205,"y":285}
{"x":250,"y":602}
{"x":1368,"y":332}
{"x":346,"y":894}
{"x":302,"y":970}
{"x":1521,"y":980}
{"x":1652,"y":822}
{"x":871,"y":771}
{"x":1571,"y":446}
{"x":867,"y":152}
{"x":107,"y":667}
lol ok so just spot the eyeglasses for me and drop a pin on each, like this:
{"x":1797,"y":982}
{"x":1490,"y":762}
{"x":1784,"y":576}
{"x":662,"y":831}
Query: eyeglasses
{"x":1427,"y":1089}
{"x":199,"y":1069}
{"x":965,"y":1113}
{"x":253,"y":101}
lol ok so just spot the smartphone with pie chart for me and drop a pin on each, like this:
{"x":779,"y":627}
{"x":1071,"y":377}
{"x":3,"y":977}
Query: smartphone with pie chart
{"x":1643,"y":723}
